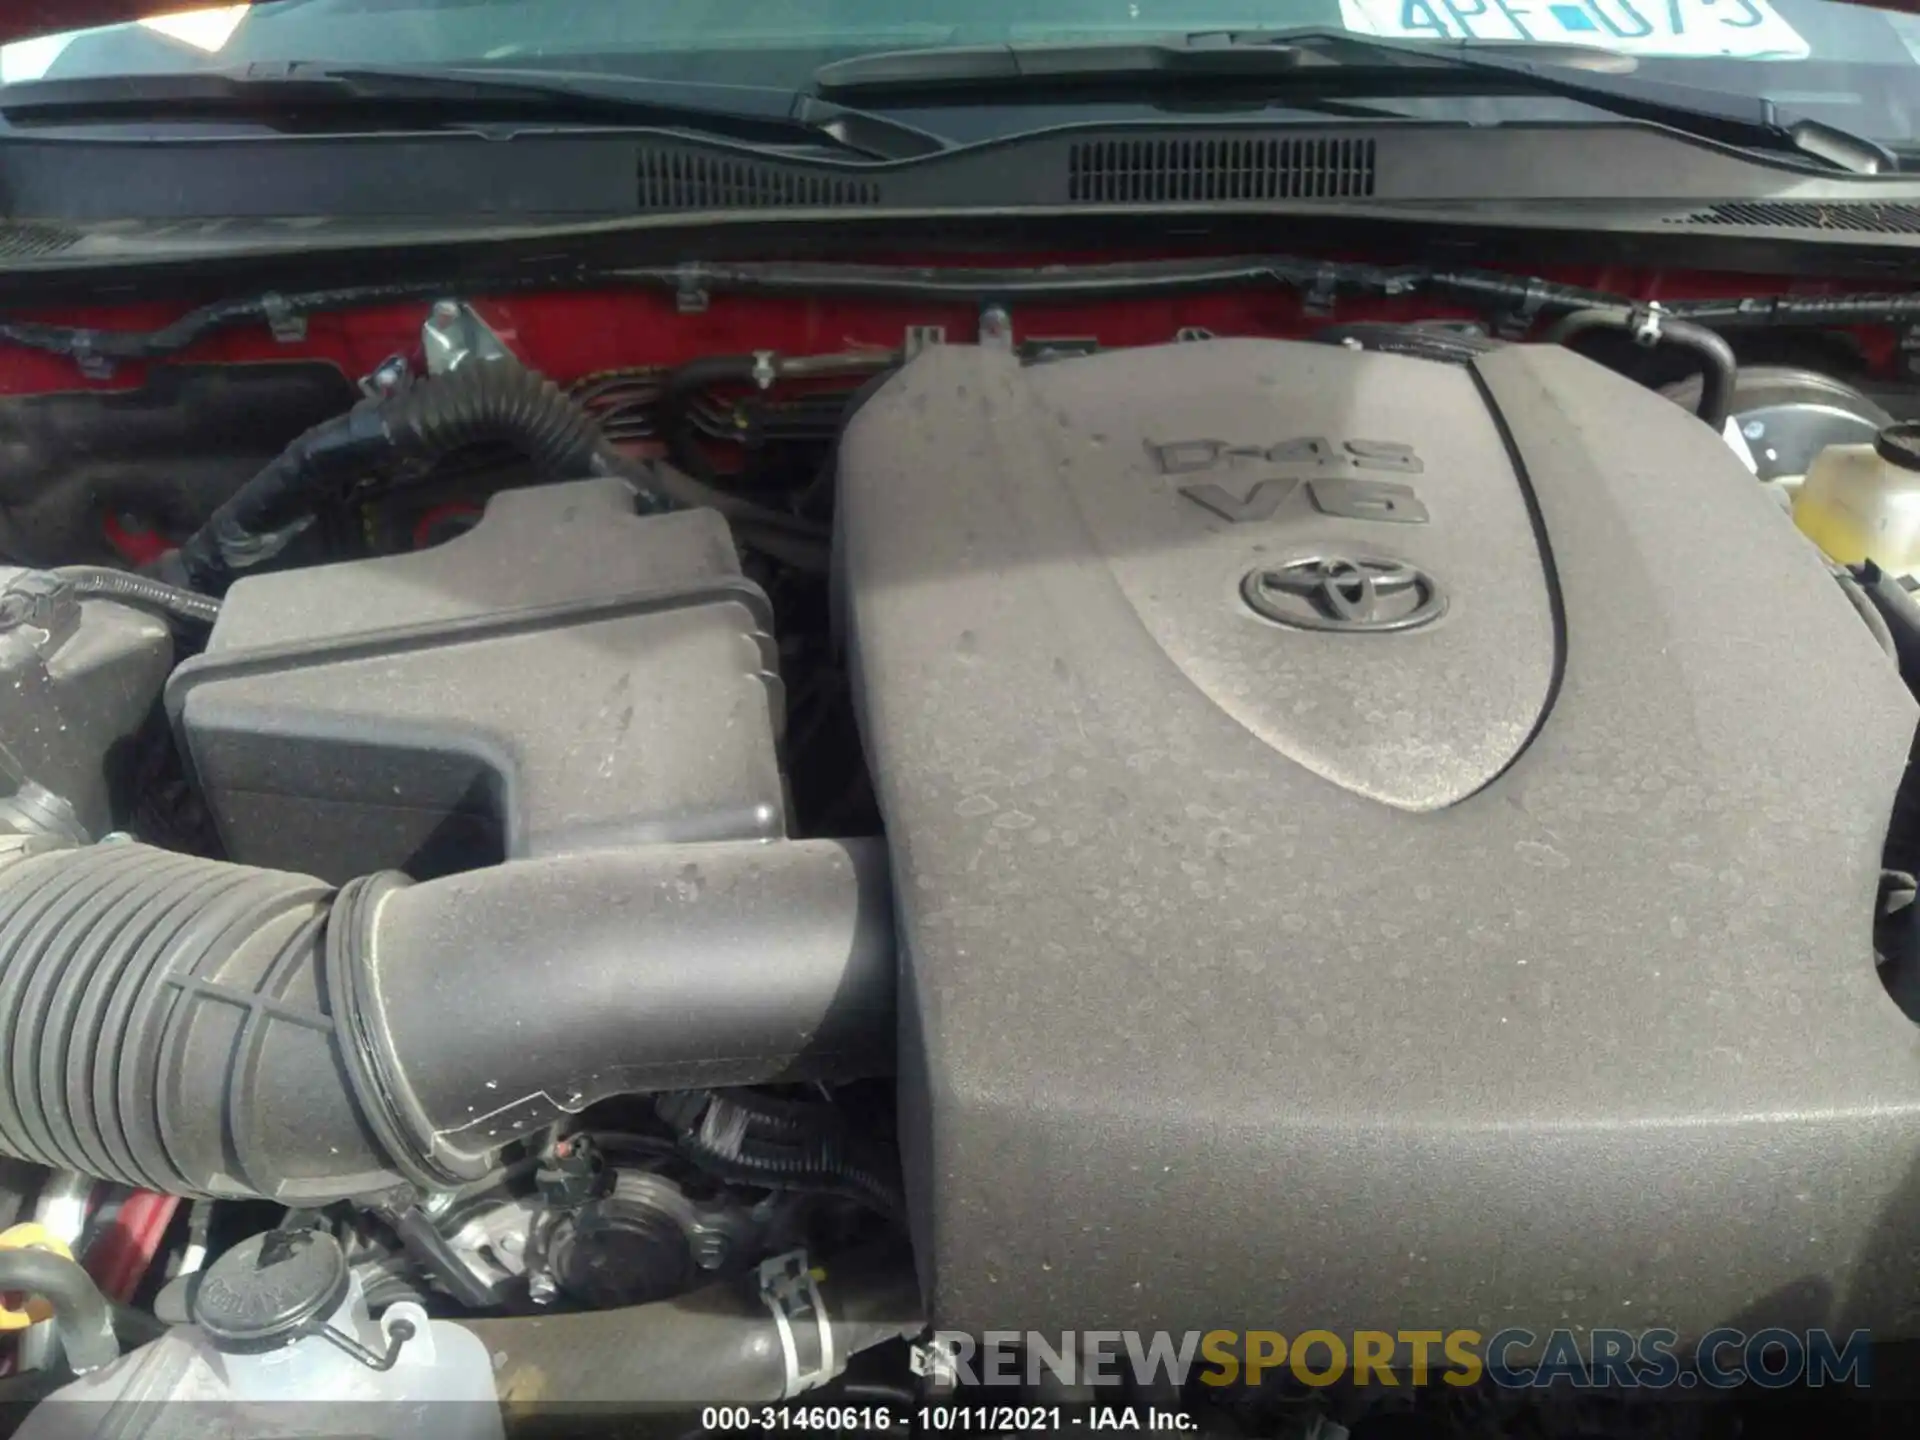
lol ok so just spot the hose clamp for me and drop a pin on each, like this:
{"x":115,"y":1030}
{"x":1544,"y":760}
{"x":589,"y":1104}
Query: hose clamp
{"x":789,"y":1287}
{"x":387,"y":1103}
{"x":1646,"y":321}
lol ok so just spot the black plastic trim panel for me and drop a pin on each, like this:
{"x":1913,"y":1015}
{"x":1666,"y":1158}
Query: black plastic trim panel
{"x":560,"y":175}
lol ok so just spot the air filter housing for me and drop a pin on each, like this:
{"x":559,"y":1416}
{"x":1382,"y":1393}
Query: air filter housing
{"x":568,"y":675}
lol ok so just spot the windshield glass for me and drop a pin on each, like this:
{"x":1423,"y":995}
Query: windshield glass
{"x":1855,"y":68}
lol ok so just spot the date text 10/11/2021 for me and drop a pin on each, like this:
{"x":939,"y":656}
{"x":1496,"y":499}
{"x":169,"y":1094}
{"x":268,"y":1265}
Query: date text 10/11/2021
{"x":943,"y":1418}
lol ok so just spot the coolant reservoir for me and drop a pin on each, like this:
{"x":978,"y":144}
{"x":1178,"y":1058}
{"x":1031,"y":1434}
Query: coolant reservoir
{"x":283,"y":1348}
{"x":1862,"y":502}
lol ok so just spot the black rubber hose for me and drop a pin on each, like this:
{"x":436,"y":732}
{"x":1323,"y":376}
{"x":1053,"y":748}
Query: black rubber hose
{"x":1444,"y":344}
{"x":683,"y":489}
{"x":97,"y":582}
{"x":498,"y":402}
{"x":687,"y":479}
{"x":195,"y":325}
{"x":685,"y":383}
{"x":1870,"y":614}
{"x":783,"y":1145}
{"x":798,"y":551}
{"x":207,"y":1029}
{"x":81,"y":1313}
{"x":1899,"y":615}
{"x":717,"y":1345}
{"x":1720,"y":371}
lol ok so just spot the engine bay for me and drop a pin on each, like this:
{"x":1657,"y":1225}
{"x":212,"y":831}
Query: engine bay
{"x":699,"y":813}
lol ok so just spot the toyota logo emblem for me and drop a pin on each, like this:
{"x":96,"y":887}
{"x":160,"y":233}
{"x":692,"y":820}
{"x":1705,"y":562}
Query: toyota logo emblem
{"x":1365,"y":593}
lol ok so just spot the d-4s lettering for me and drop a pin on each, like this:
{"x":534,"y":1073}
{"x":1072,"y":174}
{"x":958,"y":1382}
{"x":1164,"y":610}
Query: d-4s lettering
{"x":1304,"y":452}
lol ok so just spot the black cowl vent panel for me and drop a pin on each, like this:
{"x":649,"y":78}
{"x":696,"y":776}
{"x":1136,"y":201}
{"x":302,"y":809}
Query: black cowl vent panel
{"x":690,"y":180}
{"x":1157,"y":170}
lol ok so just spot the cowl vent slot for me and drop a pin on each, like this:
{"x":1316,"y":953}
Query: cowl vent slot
{"x":1254,"y":168}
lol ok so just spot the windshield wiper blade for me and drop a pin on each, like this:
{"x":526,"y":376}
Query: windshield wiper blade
{"x":1301,"y":64}
{"x":305,"y":94}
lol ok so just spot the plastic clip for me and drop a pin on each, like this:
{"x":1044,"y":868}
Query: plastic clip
{"x":690,"y":295}
{"x":1519,"y":320}
{"x":289,"y":327}
{"x":1322,"y":291}
{"x":92,"y":363}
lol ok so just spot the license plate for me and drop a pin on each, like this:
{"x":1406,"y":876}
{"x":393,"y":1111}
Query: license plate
{"x":1746,"y":29}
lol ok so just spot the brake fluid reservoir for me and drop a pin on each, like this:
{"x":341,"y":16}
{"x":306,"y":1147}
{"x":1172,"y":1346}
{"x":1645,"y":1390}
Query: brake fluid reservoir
{"x":1862,"y":502}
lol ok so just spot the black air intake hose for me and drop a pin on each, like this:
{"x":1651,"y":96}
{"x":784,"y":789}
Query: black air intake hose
{"x":493,"y":401}
{"x":201,"y":1028}
{"x":719,"y":1344}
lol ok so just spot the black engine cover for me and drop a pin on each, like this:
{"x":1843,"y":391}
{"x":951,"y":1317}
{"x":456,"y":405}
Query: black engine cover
{"x":1375,"y":839}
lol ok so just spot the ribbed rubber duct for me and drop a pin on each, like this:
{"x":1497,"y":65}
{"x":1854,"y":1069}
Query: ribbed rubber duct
{"x":207,"y":1029}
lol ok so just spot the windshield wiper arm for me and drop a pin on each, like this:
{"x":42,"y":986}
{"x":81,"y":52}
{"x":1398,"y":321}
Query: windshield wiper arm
{"x":455,"y":95}
{"x":1303,"y":63}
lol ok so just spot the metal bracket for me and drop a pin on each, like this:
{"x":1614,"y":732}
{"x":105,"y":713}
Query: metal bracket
{"x":996,"y":329}
{"x":92,"y":363}
{"x":454,"y":334}
{"x":690,"y":297}
{"x":422,"y":1240}
{"x":398,"y":1334}
{"x":787,"y":1285}
{"x":1909,"y":348}
{"x":1323,"y":292}
{"x":387,"y":378}
{"x":1519,"y":320}
{"x":288,"y":326}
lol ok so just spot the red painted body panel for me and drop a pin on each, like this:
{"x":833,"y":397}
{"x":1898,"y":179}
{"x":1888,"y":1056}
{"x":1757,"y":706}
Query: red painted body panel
{"x":570,"y":334}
